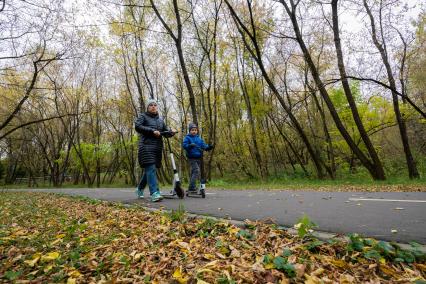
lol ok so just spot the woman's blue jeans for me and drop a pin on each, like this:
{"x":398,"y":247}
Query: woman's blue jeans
{"x":150,"y":177}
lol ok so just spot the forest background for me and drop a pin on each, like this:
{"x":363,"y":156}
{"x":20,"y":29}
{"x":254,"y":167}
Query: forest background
{"x":290,"y":92}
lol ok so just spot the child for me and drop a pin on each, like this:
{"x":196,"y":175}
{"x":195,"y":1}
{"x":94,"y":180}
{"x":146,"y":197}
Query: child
{"x":194,"y":146}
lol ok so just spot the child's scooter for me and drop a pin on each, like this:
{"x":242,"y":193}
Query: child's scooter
{"x":177,"y":190}
{"x":201,"y":191}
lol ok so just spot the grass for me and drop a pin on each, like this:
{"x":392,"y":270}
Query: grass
{"x":361,"y":182}
{"x":310,"y":183}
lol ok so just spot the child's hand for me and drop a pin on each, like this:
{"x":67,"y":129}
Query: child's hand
{"x":210,"y":147}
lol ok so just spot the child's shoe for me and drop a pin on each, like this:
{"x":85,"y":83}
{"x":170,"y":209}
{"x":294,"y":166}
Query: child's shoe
{"x":192,"y":190}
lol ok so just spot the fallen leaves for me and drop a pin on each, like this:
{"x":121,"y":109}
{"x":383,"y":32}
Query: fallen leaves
{"x":49,"y":238}
{"x":50,"y":256}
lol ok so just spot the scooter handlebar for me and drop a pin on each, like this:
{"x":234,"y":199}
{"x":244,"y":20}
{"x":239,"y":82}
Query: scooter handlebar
{"x":162,"y":133}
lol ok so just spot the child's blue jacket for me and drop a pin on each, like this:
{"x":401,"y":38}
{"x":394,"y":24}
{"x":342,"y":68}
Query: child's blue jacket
{"x":194,"y":152}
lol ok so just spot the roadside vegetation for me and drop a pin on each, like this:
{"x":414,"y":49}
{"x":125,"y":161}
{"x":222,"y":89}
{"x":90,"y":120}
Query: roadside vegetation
{"x":53,"y":238}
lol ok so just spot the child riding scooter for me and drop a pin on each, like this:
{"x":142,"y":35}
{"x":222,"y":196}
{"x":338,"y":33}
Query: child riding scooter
{"x":194,"y":146}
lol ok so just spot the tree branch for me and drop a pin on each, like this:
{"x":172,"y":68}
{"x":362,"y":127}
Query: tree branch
{"x":405,"y":97}
{"x":37,"y":121}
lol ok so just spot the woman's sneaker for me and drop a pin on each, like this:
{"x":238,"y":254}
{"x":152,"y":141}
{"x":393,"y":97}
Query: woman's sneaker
{"x":139,"y":193}
{"x":156,"y":196}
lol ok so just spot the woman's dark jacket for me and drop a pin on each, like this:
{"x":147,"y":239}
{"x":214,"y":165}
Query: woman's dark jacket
{"x":150,"y":147}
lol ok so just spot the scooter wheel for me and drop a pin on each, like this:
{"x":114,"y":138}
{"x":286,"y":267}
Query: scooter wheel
{"x":203,"y":193}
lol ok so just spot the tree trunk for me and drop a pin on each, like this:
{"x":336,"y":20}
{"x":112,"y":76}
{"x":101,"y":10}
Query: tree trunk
{"x":348,"y":93}
{"x":411,"y":165}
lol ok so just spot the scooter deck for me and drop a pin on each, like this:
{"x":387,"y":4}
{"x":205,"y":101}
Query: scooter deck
{"x":197,"y":194}
{"x":173,"y":194}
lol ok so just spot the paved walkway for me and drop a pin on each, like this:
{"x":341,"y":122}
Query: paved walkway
{"x":391,"y":216}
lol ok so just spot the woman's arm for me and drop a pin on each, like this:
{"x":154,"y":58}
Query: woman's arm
{"x":141,"y":128}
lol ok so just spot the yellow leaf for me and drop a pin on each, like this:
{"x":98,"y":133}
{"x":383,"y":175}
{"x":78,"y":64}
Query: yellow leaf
{"x":32,"y":262}
{"x":71,"y":281}
{"x":234,"y":230}
{"x":50,"y":256}
{"x":47,"y":268}
{"x":312,"y":279}
{"x":184,"y":246}
{"x":60,"y":236}
{"x":317,"y":272}
{"x":55,"y":242}
{"x":74,"y":274}
{"x":205,"y":270}
{"x":339,"y":263}
{"x":212,"y":263}
{"x":235,"y":254}
{"x":269,"y":266}
{"x":226,"y":274}
{"x":138,"y":256}
{"x":389,"y":271}
{"x":199,"y":281}
{"x":209,"y":256}
{"x":20,"y":233}
{"x":178,"y":276}
{"x":346,"y":279}
{"x":421,"y":267}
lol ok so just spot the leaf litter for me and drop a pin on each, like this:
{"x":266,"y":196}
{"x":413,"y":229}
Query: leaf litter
{"x":53,"y":238}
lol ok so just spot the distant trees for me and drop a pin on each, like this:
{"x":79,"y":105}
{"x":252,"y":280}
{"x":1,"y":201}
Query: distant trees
{"x":279,"y":86}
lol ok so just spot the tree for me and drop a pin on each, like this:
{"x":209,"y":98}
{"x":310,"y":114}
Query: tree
{"x":177,"y":39}
{"x":381,"y":47}
{"x":255,"y":51}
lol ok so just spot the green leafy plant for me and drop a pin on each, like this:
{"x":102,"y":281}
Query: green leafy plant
{"x":280,"y":263}
{"x":12,"y":275}
{"x":304,"y":226}
{"x":376,"y":250}
{"x":225,"y":280}
{"x":356,"y":243}
{"x":245,"y":235}
{"x":314,"y":245}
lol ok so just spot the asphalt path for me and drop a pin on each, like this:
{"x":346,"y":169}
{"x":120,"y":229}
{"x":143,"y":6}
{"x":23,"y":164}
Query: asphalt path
{"x":390,"y":216}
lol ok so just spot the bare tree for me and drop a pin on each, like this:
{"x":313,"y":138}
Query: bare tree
{"x":374,"y":166}
{"x":249,"y":34}
{"x":382,"y":48}
{"x":177,"y":39}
